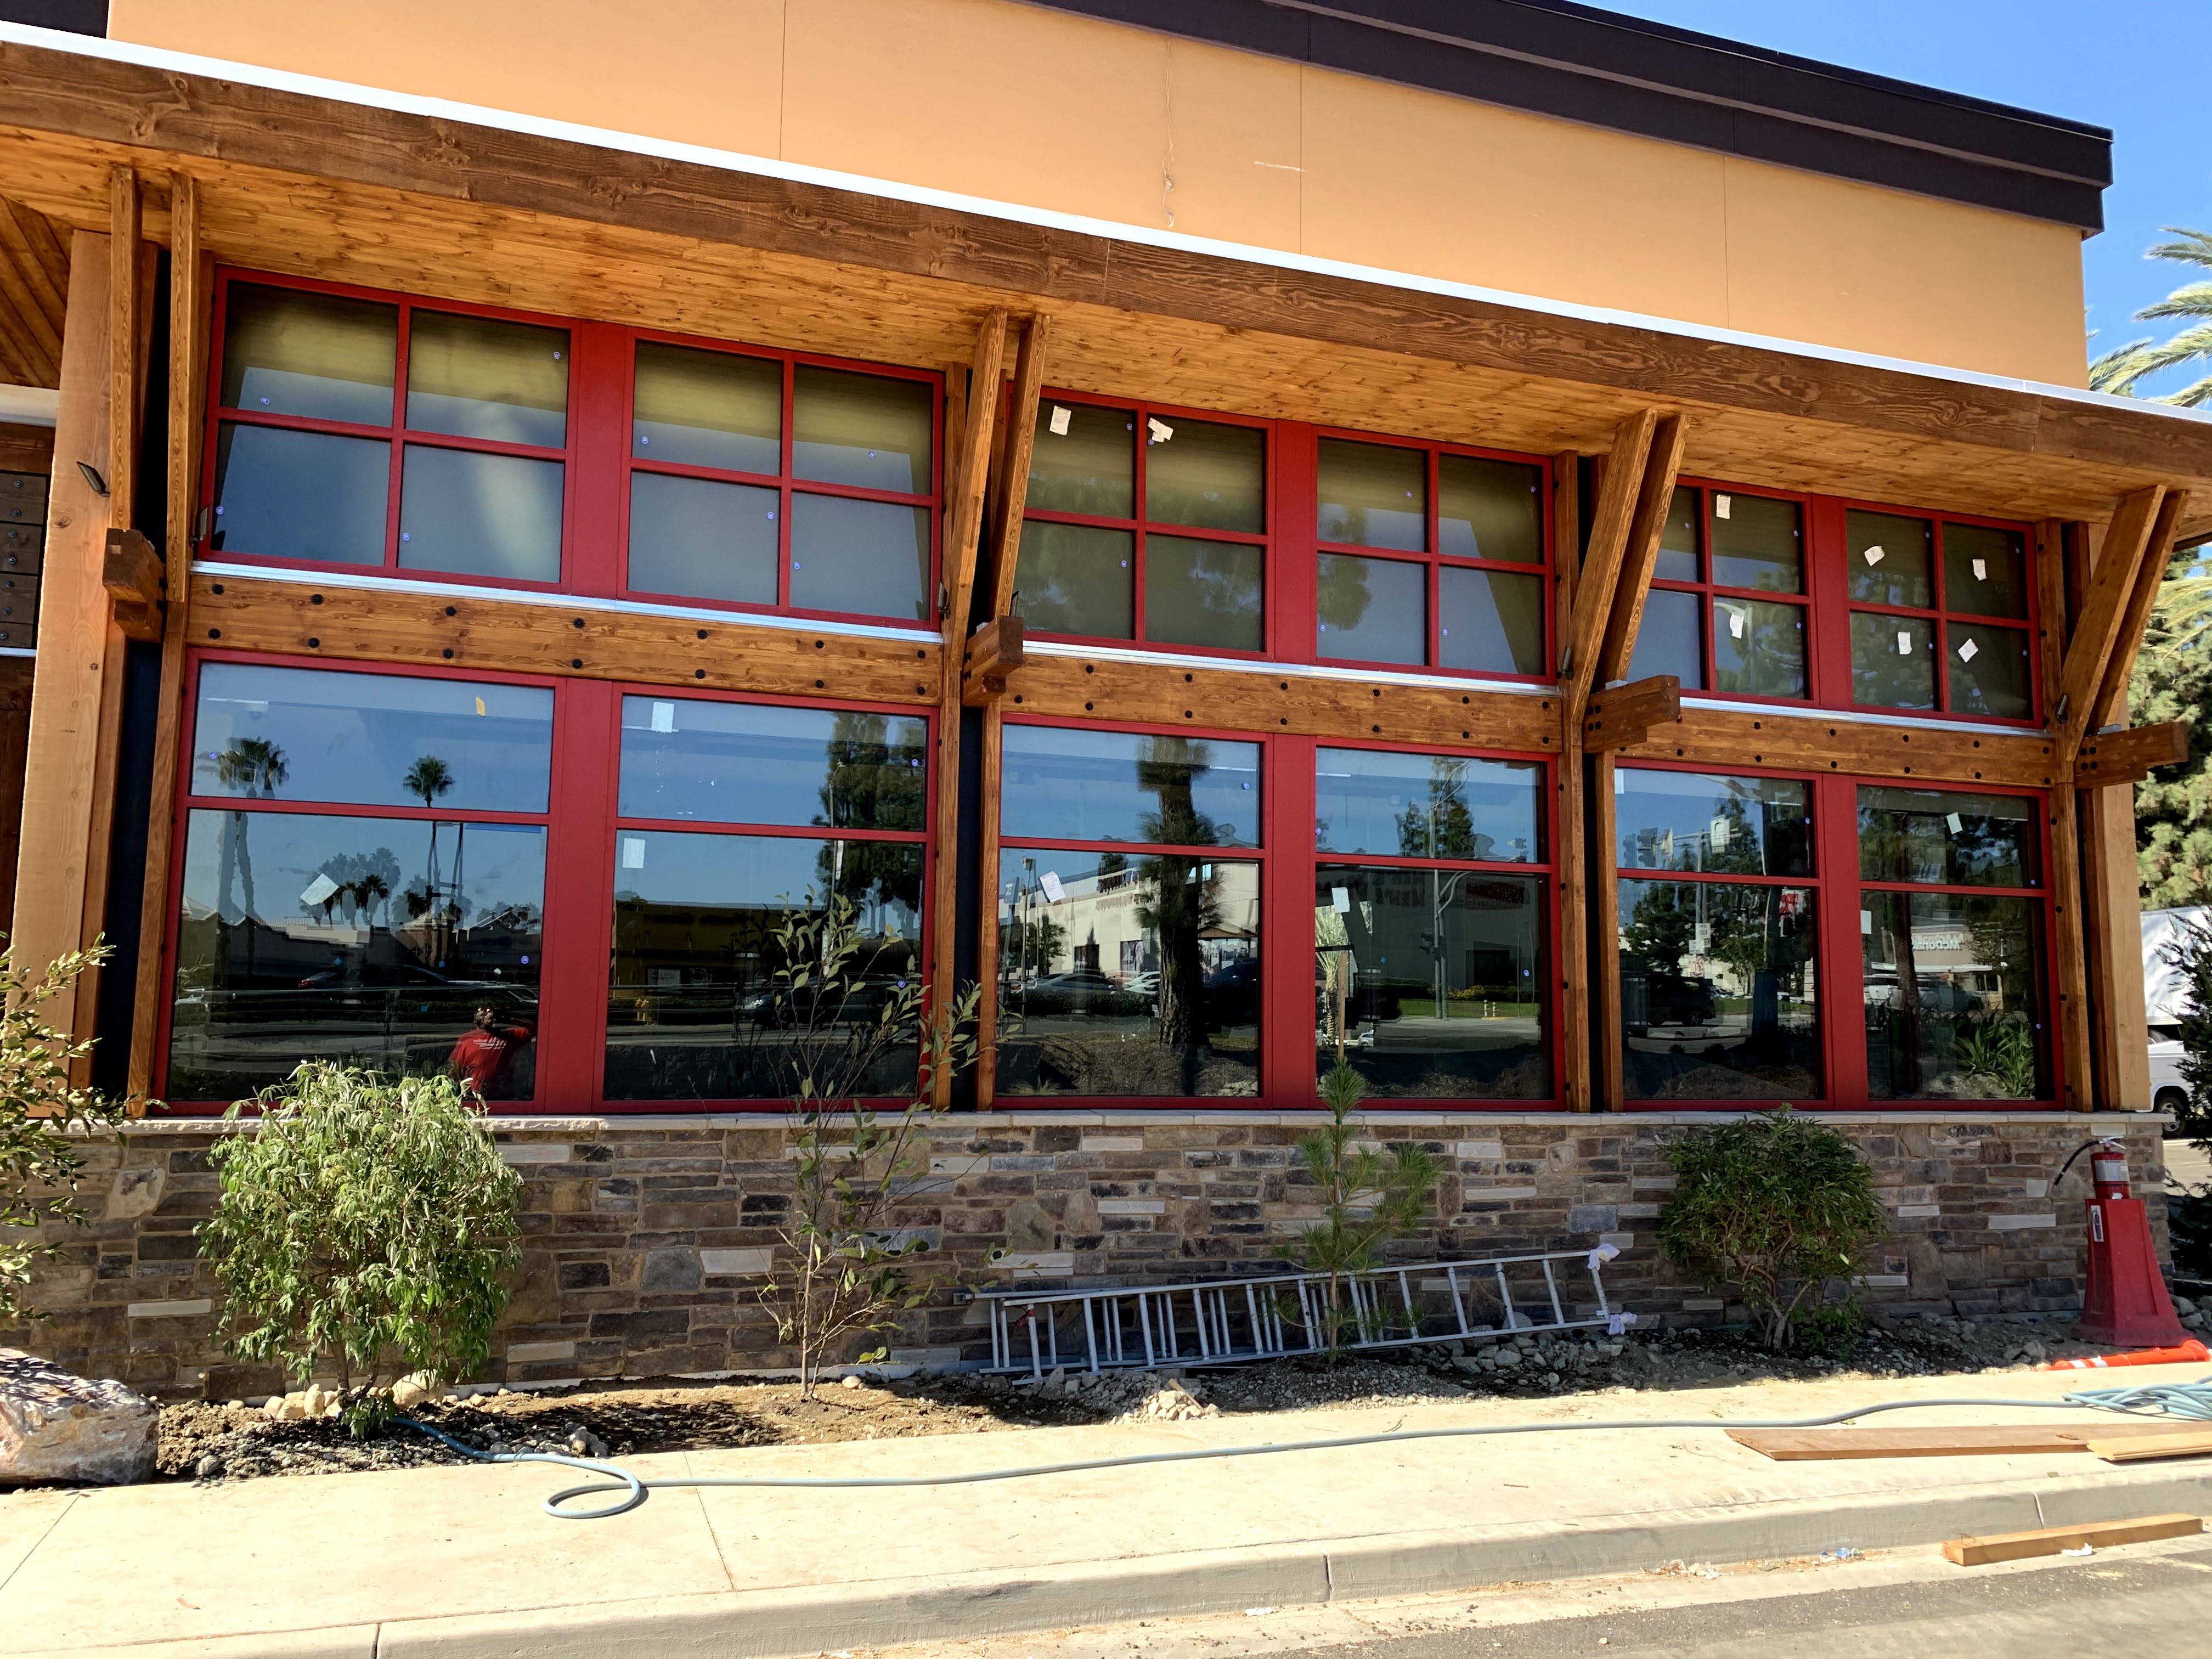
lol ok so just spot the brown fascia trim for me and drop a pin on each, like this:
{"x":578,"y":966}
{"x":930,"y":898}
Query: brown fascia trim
{"x":113,"y":100}
{"x":1578,"y":63}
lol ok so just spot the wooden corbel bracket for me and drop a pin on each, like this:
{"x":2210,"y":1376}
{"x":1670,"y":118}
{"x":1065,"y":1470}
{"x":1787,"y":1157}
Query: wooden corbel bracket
{"x":132,"y":572}
{"x":2110,"y":758}
{"x":1623,"y":716}
{"x":995,"y":651}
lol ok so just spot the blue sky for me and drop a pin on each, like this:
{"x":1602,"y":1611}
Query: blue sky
{"x":2058,"y":57}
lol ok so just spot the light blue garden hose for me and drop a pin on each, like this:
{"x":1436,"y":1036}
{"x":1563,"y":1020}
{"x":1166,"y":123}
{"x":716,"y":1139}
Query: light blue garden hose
{"x":2182,"y":1400}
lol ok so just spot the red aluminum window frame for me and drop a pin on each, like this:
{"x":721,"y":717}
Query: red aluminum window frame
{"x":1544,"y":570}
{"x":1141,"y":527}
{"x":785,"y":481}
{"x":1710,"y":590}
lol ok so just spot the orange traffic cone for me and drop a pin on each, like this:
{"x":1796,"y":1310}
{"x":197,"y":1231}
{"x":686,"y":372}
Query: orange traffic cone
{"x":2127,"y":1306}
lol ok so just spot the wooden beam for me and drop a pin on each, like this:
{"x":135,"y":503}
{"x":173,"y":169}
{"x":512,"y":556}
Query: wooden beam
{"x":2109,"y":759}
{"x":131,"y":569}
{"x":1817,"y":742}
{"x":2142,"y":597}
{"x":1611,"y":524}
{"x":1626,"y":713}
{"x":993,"y":653}
{"x":1661,"y":468}
{"x":2096,"y":629}
{"x":964,"y":514}
{"x":1574,"y":1086}
{"x":2050,"y":1540}
{"x":1014,"y":481}
{"x":191,"y":285}
{"x":2016,"y":1440}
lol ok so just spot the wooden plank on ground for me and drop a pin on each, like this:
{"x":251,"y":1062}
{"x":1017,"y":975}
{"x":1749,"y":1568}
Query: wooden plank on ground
{"x":2016,"y":1439}
{"x":2050,"y":1540}
{"x":2139,"y":1448}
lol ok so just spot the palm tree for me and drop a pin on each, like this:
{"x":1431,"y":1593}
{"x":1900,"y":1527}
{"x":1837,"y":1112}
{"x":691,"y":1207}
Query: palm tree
{"x":2120,"y":370}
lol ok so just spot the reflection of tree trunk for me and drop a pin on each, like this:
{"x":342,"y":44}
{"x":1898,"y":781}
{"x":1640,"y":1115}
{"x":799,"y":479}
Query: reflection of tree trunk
{"x":1905,"y":1071}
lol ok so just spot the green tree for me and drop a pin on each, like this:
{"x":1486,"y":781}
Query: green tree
{"x":2124,"y":368}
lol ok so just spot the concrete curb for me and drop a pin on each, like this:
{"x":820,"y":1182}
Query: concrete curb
{"x":772,"y":1624}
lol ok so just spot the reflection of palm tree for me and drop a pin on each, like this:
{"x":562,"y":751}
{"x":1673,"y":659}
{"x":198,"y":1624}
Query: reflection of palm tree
{"x":251,"y":766}
{"x":429,"y":777}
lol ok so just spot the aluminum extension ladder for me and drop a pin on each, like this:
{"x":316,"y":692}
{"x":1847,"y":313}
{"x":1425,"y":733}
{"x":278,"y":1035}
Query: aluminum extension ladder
{"x":1224,"y":1320}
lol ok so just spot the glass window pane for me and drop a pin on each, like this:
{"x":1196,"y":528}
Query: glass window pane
{"x":1208,"y":476}
{"x":1984,"y":570}
{"x":476,"y":514}
{"x":1374,"y":610}
{"x":867,"y":430}
{"x":1758,"y":650}
{"x":1944,"y":837}
{"x":1990,"y":672}
{"x":1091,"y":468}
{"x":868,"y":556}
{"x":1678,"y":542}
{"x":1489,"y":509}
{"x":1204,"y":593}
{"x":1668,"y":640}
{"x":1892,"y":661}
{"x":1142,"y":977}
{"x":1430,"y":984}
{"x":1075,"y":578}
{"x":281,"y":495}
{"x":1391,"y":804}
{"x":841,"y":770}
{"x":707,"y":408}
{"x":1718,"y":988}
{"x":404,"y":944}
{"x":1890,"y":559}
{"x":700,"y":539}
{"x":1713,"y":823}
{"x":1758,"y":542}
{"x":371,"y":739}
{"x":1374,"y":496}
{"x":288,"y":353}
{"x":1490,"y":621}
{"x":1062,"y":783}
{"x":694,"y":1008}
{"x":478,"y":377}
{"x":1954,"y":997}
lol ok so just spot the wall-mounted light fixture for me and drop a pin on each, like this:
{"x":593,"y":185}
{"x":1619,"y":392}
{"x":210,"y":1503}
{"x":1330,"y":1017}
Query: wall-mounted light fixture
{"x":92,"y":477}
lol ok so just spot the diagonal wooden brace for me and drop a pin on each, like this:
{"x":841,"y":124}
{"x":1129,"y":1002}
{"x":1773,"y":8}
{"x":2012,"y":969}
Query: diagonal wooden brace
{"x":1625,"y":715}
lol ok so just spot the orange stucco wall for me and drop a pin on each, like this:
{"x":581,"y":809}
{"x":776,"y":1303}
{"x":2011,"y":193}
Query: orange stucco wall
{"x":1030,"y":106}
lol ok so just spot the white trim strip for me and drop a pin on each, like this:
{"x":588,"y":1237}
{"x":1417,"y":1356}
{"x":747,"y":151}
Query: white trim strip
{"x":312,"y":86}
{"x":1288,"y":671}
{"x":18,"y":651}
{"x":1866,"y":717}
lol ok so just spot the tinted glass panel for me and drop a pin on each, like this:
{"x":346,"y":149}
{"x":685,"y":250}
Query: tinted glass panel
{"x":365,"y":941}
{"x":1090,"y":468}
{"x":1954,"y":997}
{"x":477,"y":377}
{"x":1984,"y":570}
{"x":694,"y":1008}
{"x":1758,"y":543}
{"x":1889,"y":558}
{"x":1203,"y":594}
{"x":1433,"y":807}
{"x":1758,"y":650}
{"x":1989,"y":671}
{"x":475,"y":515}
{"x":1668,"y":641}
{"x":1936,"y":837}
{"x":1374,"y":610}
{"x":1892,"y":661}
{"x":1718,"y":985}
{"x":371,"y":739}
{"x":1490,"y":621}
{"x":870,"y":557}
{"x":1490,"y":509}
{"x":864,"y":429}
{"x":736,"y":762}
{"x":1075,"y":578}
{"x":281,"y":495}
{"x":1678,"y":542}
{"x":1208,"y":476}
{"x":288,"y":353}
{"x":1713,"y":823}
{"x":702,"y":539}
{"x":1431,"y":983}
{"x":1063,"y":784}
{"x":707,"y":408}
{"x":1142,"y":977}
{"x":1373,"y":495}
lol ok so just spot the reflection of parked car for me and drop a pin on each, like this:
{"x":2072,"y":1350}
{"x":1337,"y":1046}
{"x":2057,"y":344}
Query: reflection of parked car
{"x":1650,"y":996}
{"x":1937,"y":996}
{"x":1232,"y":993}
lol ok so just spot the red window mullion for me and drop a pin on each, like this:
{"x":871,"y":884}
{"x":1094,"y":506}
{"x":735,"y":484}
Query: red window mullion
{"x":1842,"y":1001}
{"x":407,"y":327}
{"x":579,"y":898}
{"x":1286,"y":941}
{"x":596,"y":528}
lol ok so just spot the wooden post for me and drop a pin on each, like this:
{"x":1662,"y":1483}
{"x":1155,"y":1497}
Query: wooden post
{"x":1570,"y":844}
{"x":2069,"y":957}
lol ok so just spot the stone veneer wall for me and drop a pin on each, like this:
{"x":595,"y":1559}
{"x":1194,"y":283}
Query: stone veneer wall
{"x":641,"y":1234}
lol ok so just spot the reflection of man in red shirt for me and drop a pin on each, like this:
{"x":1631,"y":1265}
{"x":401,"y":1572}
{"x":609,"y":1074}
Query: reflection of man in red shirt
{"x":483,"y":1060}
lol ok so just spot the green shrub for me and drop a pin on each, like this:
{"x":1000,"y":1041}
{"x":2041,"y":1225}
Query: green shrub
{"x":2192,"y":954}
{"x":367,"y":1225}
{"x":1776,"y":1205}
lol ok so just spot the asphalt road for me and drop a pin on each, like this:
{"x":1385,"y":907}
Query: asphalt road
{"x":2111,"y":1606}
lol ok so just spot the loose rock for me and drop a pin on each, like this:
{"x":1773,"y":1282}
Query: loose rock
{"x":57,"y":1426}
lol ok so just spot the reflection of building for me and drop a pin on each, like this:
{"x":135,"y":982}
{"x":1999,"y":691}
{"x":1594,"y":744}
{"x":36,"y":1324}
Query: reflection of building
{"x":1096,"y":924}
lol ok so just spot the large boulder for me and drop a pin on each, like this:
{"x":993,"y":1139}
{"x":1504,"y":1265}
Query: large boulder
{"x":57,"y":1426}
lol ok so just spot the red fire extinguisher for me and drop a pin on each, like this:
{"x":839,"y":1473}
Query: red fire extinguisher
{"x":2126,"y":1304}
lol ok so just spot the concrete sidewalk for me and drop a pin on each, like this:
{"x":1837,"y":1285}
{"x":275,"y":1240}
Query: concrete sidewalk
{"x":460,"y":1562}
